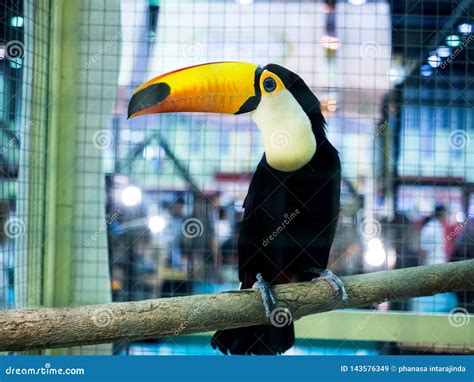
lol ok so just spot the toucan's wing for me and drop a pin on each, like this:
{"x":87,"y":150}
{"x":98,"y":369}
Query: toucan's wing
{"x":262,"y":243}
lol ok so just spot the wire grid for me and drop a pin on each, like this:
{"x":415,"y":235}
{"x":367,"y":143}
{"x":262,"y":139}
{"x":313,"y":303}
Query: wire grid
{"x":387,"y":102}
{"x":24,"y":44}
{"x":219,"y":153}
{"x":398,"y":108}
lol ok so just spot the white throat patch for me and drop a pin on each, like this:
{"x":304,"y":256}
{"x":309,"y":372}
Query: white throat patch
{"x":286,"y":129}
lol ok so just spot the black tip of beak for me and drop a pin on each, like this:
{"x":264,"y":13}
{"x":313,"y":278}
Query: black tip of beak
{"x":148,"y":97}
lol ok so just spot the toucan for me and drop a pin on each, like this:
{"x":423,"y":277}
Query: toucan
{"x":293,"y":201}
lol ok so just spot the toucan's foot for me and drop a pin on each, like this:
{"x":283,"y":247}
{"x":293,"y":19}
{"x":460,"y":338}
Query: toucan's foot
{"x":335,"y":282}
{"x":266,"y":292}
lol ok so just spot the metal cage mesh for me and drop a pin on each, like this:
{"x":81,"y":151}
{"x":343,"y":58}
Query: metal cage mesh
{"x":158,"y":199}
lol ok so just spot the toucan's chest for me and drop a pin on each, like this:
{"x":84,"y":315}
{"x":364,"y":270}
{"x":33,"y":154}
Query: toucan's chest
{"x":316,"y":183}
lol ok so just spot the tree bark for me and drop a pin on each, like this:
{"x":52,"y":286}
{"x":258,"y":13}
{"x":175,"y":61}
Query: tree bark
{"x":27,"y":329}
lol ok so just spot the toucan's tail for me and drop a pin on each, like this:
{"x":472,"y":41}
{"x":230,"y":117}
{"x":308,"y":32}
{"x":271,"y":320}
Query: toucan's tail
{"x":258,"y":340}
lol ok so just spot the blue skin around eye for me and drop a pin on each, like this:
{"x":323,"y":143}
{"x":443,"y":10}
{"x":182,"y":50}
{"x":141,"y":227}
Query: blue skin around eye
{"x":269,"y":84}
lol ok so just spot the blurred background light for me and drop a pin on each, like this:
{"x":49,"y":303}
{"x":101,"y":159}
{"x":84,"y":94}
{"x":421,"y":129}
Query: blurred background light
{"x":156,"y":224}
{"x":443,"y":51}
{"x":16,"y":21}
{"x":465,"y":28}
{"x":330,"y":43}
{"x":426,"y":70}
{"x":151,"y":152}
{"x":434,"y":61}
{"x":460,"y":216}
{"x":453,"y":40}
{"x":375,"y":255}
{"x":397,"y":74}
{"x":131,"y":196}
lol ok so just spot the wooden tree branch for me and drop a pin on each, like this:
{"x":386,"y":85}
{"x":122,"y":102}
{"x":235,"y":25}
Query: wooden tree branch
{"x":26,"y":329}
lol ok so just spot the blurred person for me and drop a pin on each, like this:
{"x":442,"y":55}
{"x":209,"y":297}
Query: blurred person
{"x":230,"y":255}
{"x":150,"y":261}
{"x":346,"y":252}
{"x":452,"y":233}
{"x":398,"y":233}
{"x":201,"y":242}
{"x":464,"y":250}
{"x":4,"y":279}
{"x":229,"y":246}
{"x":220,"y":220}
{"x":432,"y":237}
{"x":432,"y":251}
{"x":173,"y":235}
{"x":222,"y":226}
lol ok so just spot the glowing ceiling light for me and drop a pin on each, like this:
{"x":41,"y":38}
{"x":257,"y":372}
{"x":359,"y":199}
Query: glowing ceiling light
{"x":17,"y":21}
{"x":156,"y":224}
{"x":465,"y":28}
{"x":443,"y":51}
{"x":357,"y":2}
{"x":426,"y":70}
{"x":375,"y":255}
{"x":453,"y":40}
{"x":131,"y":196}
{"x":244,"y":2}
{"x":434,"y":61}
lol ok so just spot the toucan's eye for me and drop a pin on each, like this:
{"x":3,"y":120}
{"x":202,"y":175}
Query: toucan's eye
{"x":269,"y":84}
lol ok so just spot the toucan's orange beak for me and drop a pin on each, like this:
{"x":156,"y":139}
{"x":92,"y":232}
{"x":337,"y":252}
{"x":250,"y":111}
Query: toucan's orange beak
{"x":220,"y":87}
